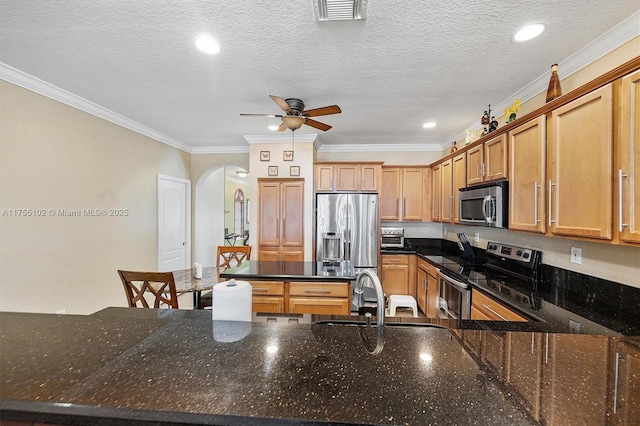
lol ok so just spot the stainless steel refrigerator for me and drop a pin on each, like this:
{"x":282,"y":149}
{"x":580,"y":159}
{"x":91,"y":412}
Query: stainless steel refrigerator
{"x":347,"y":229}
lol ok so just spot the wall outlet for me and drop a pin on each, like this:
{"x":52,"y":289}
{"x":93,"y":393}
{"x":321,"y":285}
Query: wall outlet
{"x":576,"y":255}
{"x":476,"y":237}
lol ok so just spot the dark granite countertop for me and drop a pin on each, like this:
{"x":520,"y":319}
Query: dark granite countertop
{"x":176,"y":366}
{"x":287,"y":271}
{"x":600,"y":306}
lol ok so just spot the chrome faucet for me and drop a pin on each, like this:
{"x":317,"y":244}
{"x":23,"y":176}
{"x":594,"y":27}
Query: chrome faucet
{"x":377,"y":285}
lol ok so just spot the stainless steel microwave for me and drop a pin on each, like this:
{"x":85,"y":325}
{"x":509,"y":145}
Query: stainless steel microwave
{"x":485,"y":205}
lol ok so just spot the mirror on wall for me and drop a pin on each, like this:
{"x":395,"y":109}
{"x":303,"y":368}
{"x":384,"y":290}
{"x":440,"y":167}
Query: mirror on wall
{"x":236,"y":206}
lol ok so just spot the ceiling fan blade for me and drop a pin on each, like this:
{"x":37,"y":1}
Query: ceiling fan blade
{"x":282,"y":127}
{"x":318,"y":125}
{"x":281,"y":103}
{"x":328,"y":110}
{"x":260,"y":115}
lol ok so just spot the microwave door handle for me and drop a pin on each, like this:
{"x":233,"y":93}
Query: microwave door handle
{"x":486,"y":209}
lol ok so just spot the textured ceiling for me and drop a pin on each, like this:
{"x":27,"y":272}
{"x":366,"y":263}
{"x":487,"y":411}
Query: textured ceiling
{"x":408,"y":63}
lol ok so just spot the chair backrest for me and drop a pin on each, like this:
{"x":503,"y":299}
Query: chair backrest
{"x":229,"y":256}
{"x":138,"y":284}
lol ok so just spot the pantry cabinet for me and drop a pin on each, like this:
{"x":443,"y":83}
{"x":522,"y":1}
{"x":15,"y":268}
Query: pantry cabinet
{"x":628,"y":161}
{"x":347,"y":177}
{"x":580,"y":171}
{"x":488,"y":161}
{"x":527,"y":172}
{"x":404,"y":194}
{"x":280,"y":220}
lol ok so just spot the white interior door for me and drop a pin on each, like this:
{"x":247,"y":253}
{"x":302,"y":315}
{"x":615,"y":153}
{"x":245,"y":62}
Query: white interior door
{"x":174,"y":223}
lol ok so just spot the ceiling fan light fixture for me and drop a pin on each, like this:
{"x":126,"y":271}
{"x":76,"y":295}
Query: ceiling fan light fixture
{"x":529,"y":31}
{"x":340,"y":10}
{"x":293,"y":122}
{"x":273,"y":128}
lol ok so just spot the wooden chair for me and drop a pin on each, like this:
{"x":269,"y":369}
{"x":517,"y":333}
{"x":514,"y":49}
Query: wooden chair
{"x":226,"y":257}
{"x":139,"y":284}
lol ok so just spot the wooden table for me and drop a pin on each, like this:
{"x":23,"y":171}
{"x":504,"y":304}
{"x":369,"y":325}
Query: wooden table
{"x":186,"y":283}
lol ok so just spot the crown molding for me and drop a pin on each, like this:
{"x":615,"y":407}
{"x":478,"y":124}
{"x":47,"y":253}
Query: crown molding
{"x":601,"y":46}
{"x":280,"y":138}
{"x":34,"y":84}
{"x":219,"y":150}
{"x":391,"y":147}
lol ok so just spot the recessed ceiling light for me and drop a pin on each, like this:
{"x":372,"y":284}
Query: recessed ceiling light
{"x":528,"y":32}
{"x":429,"y":125}
{"x":206,"y":44}
{"x":274,"y":128}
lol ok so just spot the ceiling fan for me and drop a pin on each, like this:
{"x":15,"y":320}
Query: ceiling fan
{"x":296,"y":115}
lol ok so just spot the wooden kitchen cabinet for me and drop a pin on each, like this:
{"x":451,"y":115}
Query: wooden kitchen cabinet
{"x":426,"y":287}
{"x":436,"y":192}
{"x":319,"y":298}
{"x":459,"y":181}
{"x":527,"y":172}
{"x":485,"y":308}
{"x":488,"y":161}
{"x":580,"y":167}
{"x":446,"y":191}
{"x":347,"y":177}
{"x":623,"y":406}
{"x":399,"y":274}
{"x":268,"y":296}
{"x":574,"y":375}
{"x":524,"y":368}
{"x":280,"y":219}
{"x":628,"y":161}
{"x":404,"y":195}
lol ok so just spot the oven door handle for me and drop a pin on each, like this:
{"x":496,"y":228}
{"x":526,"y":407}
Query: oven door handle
{"x":449,"y":280}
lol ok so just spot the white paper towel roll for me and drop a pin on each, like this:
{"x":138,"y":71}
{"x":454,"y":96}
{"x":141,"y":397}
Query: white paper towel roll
{"x":231,"y":301}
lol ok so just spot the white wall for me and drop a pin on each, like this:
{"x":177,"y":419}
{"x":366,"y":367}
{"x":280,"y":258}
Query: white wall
{"x":209,"y":217}
{"x":52,"y":157}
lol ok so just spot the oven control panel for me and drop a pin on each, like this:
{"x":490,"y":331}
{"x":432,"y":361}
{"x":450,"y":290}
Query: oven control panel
{"x":510,"y":252}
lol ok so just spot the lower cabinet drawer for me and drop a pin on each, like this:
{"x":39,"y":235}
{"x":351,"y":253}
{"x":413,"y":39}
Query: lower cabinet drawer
{"x":315,"y":289}
{"x":267,"y":304}
{"x":319,"y":305}
{"x":267,"y":288}
{"x":492,"y":309}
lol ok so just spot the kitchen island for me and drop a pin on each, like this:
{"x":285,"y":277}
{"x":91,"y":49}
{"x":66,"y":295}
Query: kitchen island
{"x":122,"y":365}
{"x":297,"y":287}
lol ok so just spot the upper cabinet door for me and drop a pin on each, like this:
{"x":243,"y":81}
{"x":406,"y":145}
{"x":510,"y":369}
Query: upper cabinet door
{"x":495,"y":158}
{"x":459,"y":181}
{"x":446,"y":205}
{"x":628,"y":173}
{"x":413,"y":193}
{"x":527,"y":171}
{"x":347,"y":177}
{"x":390,"y":194}
{"x":580,"y":169}
{"x":475,"y":162}
{"x":269,"y":214}
{"x":324,"y":177}
{"x":436,"y":191}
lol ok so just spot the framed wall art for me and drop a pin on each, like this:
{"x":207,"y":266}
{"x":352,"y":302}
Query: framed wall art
{"x":294,"y":171}
{"x":273,"y":171}
{"x":287,"y":156}
{"x":265,"y":155}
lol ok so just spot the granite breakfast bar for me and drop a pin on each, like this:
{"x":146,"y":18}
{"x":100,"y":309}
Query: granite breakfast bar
{"x":121,"y":365}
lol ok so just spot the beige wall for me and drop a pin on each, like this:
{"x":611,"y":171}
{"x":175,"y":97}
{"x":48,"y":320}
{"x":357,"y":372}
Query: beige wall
{"x":53,"y":156}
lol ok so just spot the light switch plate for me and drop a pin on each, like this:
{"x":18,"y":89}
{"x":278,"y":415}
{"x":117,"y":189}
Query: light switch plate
{"x":576,"y":255}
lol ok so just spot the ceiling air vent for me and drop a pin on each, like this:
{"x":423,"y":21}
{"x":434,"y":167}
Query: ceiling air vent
{"x":340,"y":10}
